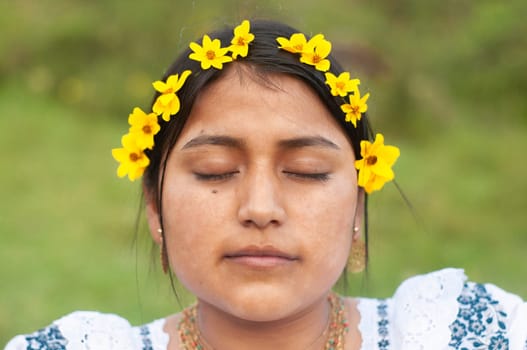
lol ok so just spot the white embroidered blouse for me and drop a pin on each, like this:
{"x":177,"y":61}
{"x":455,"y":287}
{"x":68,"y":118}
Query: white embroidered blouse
{"x":436,"y":311}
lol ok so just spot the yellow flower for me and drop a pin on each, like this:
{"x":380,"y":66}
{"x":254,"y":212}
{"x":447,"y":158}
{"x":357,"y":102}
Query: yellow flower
{"x":295,"y":44}
{"x":167,"y":103}
{"x":210,"y":54}
{"x":144,"y":127}
{"x":341,"y":85}
{"x":315,"y":52}
{"x":375,"y":167}
{"x":131,"y":157}
{"x":241,"y":40}
{"x":356,"y":106}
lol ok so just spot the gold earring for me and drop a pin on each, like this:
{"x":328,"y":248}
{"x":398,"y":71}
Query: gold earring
{"x":357,"y":257}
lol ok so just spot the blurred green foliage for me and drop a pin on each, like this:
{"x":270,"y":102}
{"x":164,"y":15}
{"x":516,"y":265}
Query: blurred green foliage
{"x":449,"y":86}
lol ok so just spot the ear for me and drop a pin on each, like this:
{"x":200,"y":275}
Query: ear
{"x":152,"y":216}
{"x":359,"y":214}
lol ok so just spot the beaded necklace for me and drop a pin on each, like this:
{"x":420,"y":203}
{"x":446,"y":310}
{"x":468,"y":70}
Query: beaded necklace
{"x":191,"y":338}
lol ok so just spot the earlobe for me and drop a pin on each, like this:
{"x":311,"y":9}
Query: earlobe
{"x":152,"y":216}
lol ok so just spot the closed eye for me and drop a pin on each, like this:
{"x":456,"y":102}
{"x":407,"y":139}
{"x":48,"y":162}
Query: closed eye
{"x":308,"y":176}
{"x":215,"y":177}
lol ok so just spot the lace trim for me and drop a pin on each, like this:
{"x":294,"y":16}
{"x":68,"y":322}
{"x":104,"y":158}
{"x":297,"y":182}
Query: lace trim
{"x":152,"y":335}
{"x":481,"y":321}
{"x":383,"y":325}
{"x":46,"y":338}
{"x":368,"y":323}
{"x":416,"y":317}
{"x":145,"y":338}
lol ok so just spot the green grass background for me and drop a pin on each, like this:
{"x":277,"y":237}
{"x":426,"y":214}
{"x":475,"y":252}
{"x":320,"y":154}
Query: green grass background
{"x":449,"y":86}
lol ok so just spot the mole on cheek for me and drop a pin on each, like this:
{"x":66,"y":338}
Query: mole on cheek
{"x":214,"y":191}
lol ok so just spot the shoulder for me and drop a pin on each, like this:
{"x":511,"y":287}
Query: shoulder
{"x":90,"y":329}
{"x":445,"y":309}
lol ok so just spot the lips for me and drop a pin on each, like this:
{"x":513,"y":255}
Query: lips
{"x":261,"y":257}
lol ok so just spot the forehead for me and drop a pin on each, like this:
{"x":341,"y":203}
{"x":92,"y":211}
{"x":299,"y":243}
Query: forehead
{"x":243,"y":104}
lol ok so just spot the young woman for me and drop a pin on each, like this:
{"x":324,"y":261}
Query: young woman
{"x":257,"y":158}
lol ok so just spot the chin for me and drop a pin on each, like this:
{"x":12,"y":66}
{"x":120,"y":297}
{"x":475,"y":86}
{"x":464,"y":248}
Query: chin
{"x":263,"y":310}
{"x":264,"y":303}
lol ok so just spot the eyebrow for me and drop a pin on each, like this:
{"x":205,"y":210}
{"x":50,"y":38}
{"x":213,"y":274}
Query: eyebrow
{"x":232,"y":142}
{"x":216,"y":140}
{"x":308,"y":141}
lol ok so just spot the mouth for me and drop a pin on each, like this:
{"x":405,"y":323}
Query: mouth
{"x":261,"y":257}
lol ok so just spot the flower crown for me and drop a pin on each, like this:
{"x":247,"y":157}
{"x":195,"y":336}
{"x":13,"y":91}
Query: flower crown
{"x":374,"y":168}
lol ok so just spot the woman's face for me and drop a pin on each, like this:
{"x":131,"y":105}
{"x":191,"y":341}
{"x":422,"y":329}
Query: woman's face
{"x":260,"y":198}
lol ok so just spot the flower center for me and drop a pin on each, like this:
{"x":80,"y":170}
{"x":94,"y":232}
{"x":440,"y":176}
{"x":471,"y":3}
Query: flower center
{"x":340,"y":85}
{"x":134,"y":157}
{"x":147,"y":129}
{"x":211,"y":54}
{"x":241,"y":41}
{"x":316,"y":58}
{"x":298,"y":47}
{"x":355,"y":109}
{"x":371,"y":160}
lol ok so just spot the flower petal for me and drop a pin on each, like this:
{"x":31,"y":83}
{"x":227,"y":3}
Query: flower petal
{"x":160,"y":86}
{"x":323,"y":65}
{"x":181,"y":80}
{"x":381,"y":168}
{"x":196,"y":47}
{"x":242,"y":29}
{"x":323,"y":48}
{"x":389,"y":154}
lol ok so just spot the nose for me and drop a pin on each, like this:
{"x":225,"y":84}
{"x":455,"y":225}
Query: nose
{"x":260,"y":200}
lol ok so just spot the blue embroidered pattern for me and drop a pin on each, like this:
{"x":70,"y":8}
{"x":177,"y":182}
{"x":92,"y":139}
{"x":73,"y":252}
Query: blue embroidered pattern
{"x":145,"y":337}
{"x":480,"y":321}
{"x":382,"y":326}
{"x":48,"y":338}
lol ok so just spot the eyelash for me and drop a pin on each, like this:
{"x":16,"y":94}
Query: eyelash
{"x":309,"y":176}
{"x":225,"y":176}
{"x":215,"y":177}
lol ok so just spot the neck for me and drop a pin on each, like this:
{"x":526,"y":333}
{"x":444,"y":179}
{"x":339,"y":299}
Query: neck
{"x":306,"y":329}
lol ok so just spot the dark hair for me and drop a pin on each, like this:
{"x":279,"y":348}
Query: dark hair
{"x":264,"y":58}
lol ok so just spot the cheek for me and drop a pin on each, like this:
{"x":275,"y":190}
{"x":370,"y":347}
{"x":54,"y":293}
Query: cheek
{"x":328,"y":224}
{"x":332,"y":240}
{"x":189,"y":220}
{"x":187,"y":209}
{"x":332,"y":210}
